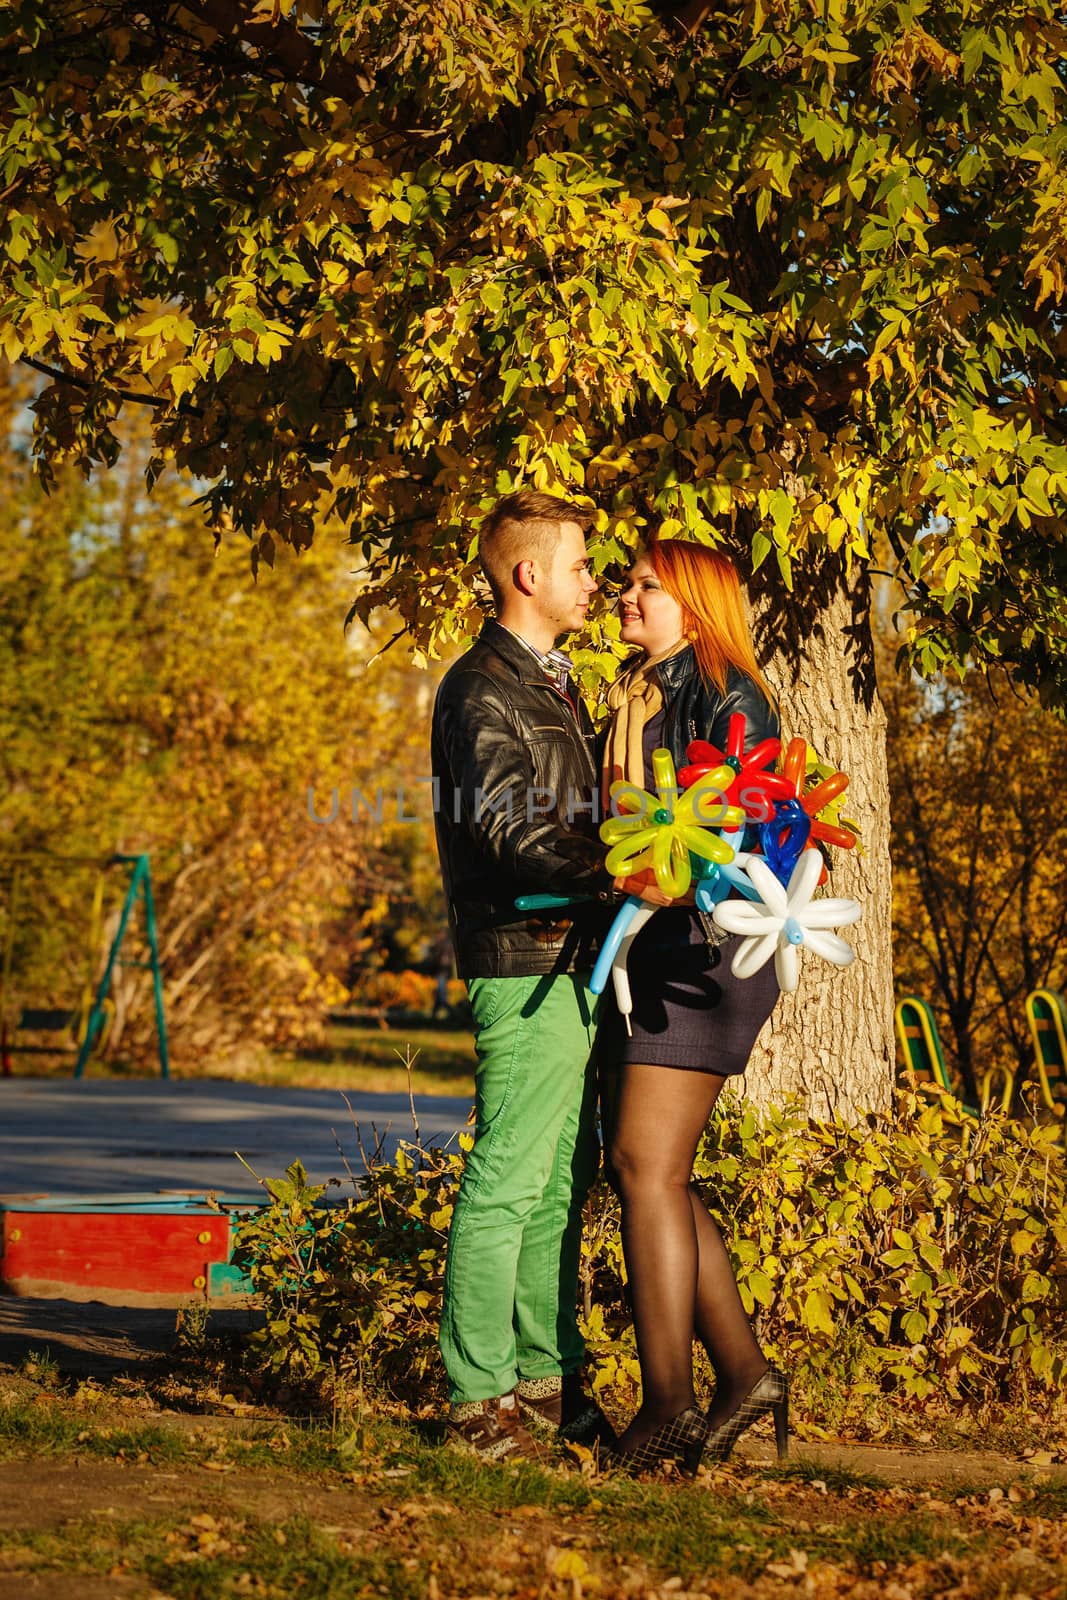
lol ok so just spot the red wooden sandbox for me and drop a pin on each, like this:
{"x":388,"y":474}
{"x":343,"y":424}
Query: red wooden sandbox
{"x":131,"y":1250}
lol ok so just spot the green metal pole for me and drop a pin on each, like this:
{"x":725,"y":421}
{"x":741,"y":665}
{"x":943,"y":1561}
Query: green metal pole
{"x":96,"y":1015}
{"x":157,"y":976}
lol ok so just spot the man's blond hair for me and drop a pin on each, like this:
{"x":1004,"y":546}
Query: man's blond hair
{"x":522,"y":527}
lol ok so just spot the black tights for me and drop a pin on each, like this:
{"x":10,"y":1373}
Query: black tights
{"x":681,"y":1279}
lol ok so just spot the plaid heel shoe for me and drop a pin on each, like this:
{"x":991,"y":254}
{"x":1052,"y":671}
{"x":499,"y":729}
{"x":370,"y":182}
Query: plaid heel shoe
{"x":681,"y":1440}
{"x":771,"y":1393}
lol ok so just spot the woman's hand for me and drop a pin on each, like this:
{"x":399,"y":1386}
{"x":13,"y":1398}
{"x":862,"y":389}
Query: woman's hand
{"x":643,"y":886}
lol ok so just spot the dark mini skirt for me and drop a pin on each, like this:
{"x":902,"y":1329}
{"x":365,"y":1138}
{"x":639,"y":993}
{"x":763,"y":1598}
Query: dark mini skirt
{"x":688,"y":1008}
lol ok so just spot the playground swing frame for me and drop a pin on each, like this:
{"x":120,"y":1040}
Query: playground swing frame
{"x":924,"y":1061}
{"x":1046,"y":1017}
{"x":96,"y":1005}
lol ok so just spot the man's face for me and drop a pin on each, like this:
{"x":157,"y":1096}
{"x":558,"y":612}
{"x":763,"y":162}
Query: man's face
{"x":567,"y":585}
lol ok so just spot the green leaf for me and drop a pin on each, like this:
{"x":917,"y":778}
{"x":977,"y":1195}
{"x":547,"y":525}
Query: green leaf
{"x":914,"y":1326}
{"x":512,"y":378}
{"x":761,"y":548}
{"x":782,"y":510}
{"x":817,"y":1314}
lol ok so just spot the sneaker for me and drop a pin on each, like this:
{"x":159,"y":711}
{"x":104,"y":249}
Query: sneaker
{"x":562,"y":1407}
{"x":491,"y":1430}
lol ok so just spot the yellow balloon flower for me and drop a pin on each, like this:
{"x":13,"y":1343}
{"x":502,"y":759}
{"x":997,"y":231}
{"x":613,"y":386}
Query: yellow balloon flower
{"x":660,"y":830}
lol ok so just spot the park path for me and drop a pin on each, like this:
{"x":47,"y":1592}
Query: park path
{"x":92,"y":1137}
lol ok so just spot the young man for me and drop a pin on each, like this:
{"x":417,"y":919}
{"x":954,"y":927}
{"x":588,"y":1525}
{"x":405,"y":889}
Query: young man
{"x":512,"y":750}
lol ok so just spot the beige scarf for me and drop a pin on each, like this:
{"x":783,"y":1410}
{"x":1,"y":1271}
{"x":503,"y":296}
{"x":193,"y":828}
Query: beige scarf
{"x":633,"y":699}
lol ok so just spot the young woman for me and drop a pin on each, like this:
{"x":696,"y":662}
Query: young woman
{"x":693,"y":1023}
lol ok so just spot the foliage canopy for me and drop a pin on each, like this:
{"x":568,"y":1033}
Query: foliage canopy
{"x":786,"y":272}
{"x":150,"y":701}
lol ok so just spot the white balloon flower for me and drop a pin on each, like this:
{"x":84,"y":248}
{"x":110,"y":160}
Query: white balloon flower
{"x":781,"y":920}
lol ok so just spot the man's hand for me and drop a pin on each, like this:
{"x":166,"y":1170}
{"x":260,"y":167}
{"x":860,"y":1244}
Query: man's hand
{"x":644,"y":886}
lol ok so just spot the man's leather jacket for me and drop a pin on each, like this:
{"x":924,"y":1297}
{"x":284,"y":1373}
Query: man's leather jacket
{"x":516,"y":804}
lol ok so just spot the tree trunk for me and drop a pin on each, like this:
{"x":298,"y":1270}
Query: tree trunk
{"x":832,"y":1041}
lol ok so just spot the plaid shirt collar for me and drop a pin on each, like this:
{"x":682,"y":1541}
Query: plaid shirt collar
{"x":557,"y":667}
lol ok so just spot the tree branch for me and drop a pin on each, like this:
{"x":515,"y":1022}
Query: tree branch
{"x":282,"y":47}
{"x":688,"y":17}
{"x":87,"y":386}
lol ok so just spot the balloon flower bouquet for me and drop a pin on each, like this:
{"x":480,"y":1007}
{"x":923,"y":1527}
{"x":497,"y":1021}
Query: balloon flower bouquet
{"x":692,"y":830}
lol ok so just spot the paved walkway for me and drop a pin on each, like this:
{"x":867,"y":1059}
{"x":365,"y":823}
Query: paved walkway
{"x":62,"y":1137}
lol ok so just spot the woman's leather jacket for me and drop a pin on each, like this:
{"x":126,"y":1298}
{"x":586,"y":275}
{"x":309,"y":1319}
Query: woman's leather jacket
{"x":516,"y":808}
{"x":694,"y":709}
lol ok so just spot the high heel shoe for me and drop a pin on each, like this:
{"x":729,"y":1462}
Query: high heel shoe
{"x":680,"y":1440}
{"x":771,"y":1393}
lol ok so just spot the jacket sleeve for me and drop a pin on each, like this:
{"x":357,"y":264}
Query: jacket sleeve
{"x":519,"y":830}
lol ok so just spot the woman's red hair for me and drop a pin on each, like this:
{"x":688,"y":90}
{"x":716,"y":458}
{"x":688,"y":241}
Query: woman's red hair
{"x":706,"y":586}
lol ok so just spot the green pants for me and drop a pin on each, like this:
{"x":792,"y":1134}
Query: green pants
{"x":511,"y":1279}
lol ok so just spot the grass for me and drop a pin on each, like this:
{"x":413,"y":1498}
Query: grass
{"x":304,"y":1559}
{"x":54,"y":1429}
{"x":372,"y":1060}
{"x":204,"y":1557}
{"x":679,"y":1530}
{"x":209,"y":1515}
{"x":833,"y":1478}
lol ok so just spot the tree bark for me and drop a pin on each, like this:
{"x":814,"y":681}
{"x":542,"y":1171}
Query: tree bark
{"x":832,"y":1042}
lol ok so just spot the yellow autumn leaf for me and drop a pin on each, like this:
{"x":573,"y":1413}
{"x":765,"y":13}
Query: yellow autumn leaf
{"x":816,"y":1313}
{"x":270,"y":346}
{"x":101,"y":243}
{"x":569,"y":1564}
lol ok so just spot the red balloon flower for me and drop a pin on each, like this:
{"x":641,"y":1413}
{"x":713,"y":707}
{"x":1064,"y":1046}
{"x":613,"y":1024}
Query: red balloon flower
{"x":754,"y":789}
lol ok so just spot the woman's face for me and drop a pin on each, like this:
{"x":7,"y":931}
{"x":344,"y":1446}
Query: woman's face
{"x":650,"y":617}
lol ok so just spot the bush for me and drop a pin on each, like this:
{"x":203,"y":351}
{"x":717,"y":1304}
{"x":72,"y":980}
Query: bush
{"x":403,"y":991}
{"x":357,"y":1284}
{"x":881,"y":1262}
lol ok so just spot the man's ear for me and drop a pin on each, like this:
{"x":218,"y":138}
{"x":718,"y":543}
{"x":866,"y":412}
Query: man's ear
{"x":524,"y":577}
